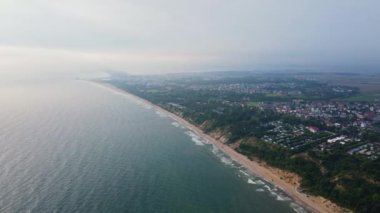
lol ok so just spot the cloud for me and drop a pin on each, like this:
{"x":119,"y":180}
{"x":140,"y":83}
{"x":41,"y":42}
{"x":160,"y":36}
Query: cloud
{"x":168,"y":35}
{"x":37,"y":60}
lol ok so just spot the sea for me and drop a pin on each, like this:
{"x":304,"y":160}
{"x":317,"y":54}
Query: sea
{"x":70,"y":145}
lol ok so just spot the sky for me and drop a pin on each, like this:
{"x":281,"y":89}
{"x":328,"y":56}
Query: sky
{"x":157,"y":36}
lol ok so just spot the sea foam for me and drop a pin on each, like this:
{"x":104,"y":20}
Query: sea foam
{"x":176,"y":124}
{"x":226,"y":161}
{"x":250,"y":181}
{"x":260,"y":182}
{"x":222,"y":157}
{"x":246,"y":174}
{"x":161,"y":114}
{"x":297,"y":208}
{"x":195,"y":138}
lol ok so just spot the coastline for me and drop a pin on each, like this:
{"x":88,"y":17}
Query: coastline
{"x":286,"y":181}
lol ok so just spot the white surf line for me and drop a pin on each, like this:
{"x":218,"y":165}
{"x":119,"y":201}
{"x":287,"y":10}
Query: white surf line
{"x":187,"y":125}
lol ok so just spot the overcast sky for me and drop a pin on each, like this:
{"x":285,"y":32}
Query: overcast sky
{"x":153,"y":36}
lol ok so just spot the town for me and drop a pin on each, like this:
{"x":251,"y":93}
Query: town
{"x":325,"y":131}
{"x":313,"y":115}
{"x":342,"y":123}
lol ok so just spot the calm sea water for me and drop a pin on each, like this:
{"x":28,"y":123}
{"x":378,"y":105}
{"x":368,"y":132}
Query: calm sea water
{"x":72,"y":146}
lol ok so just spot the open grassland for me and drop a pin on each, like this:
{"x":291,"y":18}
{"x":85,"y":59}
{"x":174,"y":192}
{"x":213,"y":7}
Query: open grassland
{"x":368,"y":83}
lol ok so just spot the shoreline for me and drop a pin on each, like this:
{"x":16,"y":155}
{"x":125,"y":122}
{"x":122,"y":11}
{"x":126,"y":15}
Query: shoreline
{"x":271,"y":175}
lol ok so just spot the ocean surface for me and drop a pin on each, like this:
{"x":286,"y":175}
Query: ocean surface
{"x":74,"y":146}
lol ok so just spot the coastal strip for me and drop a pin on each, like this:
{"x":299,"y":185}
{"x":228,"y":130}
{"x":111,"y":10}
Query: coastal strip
{"x":272,"y":175}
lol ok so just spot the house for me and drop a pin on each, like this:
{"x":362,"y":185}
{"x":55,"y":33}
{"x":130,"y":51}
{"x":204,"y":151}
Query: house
{"x":312,"y":129}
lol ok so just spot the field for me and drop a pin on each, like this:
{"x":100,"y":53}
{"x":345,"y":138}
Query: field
{"x":368,"y":83}
{"x":365,"y":97}
{"x":254,"y":103}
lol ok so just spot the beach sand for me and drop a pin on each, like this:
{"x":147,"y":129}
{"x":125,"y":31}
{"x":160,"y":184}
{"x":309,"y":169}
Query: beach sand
{"x":286,"y":181}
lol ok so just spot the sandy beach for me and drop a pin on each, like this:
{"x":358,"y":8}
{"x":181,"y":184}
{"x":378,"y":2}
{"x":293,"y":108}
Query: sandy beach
{"x":286,"y":181}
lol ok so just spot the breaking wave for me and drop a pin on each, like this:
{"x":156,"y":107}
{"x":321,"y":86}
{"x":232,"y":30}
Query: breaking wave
{"x":161,"y":114}
{"x":251,"y":181}
{"x":222,"y":157}
{"x":245,"y":173}
{"x":258,"y":184}
{"x":297,"y":208}
{"x":176,"y":124}
{"x":195,"y":138}
{"x":226,"y":161}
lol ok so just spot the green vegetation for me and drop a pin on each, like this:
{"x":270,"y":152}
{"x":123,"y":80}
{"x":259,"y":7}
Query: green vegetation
{"x":364,"y":98}
{"x":234,"y":106}
{"x":349,"y":181}
{"x":254,"y":104}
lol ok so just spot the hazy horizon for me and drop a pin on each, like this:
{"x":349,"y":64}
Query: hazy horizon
{"x":190,"y":106}
{"x":187,"y":36}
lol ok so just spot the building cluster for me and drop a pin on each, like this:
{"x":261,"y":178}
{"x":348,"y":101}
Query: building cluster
{"x":370,"y":150}
{"x":294,"y":137}
{"x":277,"y":89}
{"x":332,"y":113}
{"x":284,"y":89}
{"x":340,"y":115}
